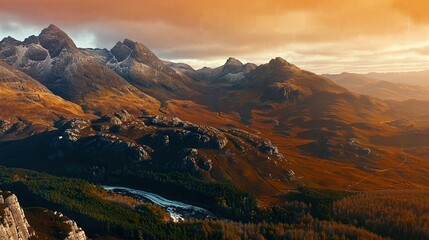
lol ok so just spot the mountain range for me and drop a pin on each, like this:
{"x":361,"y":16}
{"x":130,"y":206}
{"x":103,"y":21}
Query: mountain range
{"x":99,"y":114}
{"x":391,"y":88}
{"x":308,"y":116}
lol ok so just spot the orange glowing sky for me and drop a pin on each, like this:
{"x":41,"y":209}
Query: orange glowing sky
{"x":324,"y":36}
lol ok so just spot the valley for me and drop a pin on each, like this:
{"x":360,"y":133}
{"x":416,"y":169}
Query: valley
{"x":239,"y":151}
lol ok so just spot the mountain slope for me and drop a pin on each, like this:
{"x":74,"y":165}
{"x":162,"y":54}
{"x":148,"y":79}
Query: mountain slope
{"x":101,"y":148}
{"x":53,"y":59}
{"x":232,"y":71}
{"x":380,"y":88}
{"x":316,"y":123}
{"x":420,"y":78}
{"x":27,"y":105}
{"x":143,"y":69}
{"x":277,"y":82}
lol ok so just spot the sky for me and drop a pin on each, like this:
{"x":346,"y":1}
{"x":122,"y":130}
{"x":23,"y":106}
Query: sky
{"x":323,"y":36}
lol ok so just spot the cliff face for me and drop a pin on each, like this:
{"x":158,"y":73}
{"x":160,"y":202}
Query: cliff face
{"x":13,"y":224}
{"x":76,"y":232}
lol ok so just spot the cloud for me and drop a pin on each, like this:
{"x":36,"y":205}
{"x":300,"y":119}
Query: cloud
{"x":15,"y":29}
{"x":210,"y":31}
{"x":417,"y":10}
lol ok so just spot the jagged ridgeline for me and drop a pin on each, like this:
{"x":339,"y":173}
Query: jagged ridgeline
{"x":271,"y":151}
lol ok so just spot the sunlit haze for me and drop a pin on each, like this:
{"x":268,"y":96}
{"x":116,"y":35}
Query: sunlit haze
{"x":324,"y":36}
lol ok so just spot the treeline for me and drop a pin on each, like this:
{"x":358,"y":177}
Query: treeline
{"x":399,"y":214}
{"x":224,"y":200}
{"x":311,"y":229}
{"x":75,"y":198}
{"x":227,"y":201}
{"x":103,"y":215}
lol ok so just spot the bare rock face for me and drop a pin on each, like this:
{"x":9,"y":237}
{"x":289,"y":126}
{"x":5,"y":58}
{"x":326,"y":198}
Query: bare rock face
{"x":36,"y":53}
{"x":31,"y":40}
{"x":5,"y":126}
{"x":264,"y":145}
{"x":121,"y":51}
{"x":283,"y":92}
{"x":8,"y":49}
{"x":55,"y":40}
{"x":13,"y":224}
{"x":76,"y":233}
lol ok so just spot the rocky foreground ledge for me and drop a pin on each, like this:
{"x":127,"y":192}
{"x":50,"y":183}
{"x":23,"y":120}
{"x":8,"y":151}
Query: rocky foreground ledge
{"x":14,"y":224}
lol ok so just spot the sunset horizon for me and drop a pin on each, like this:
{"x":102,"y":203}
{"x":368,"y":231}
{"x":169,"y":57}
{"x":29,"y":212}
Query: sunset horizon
{"x":327,"y":36}
{"x":218,"y":120}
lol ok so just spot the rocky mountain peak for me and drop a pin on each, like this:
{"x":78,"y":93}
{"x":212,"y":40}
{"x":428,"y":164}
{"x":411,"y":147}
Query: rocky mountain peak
{"x":234,"y":62}
{"x":30,"y":40}
{"x":279,"y":62}
{"x":55,"y":40}
{"x":10,"y":40}
{"x":8,"y":47}
{"x":142,"y":54}
{"x":121,"y":51}
{"x":233,"y":66}
{"x":130,"y":43}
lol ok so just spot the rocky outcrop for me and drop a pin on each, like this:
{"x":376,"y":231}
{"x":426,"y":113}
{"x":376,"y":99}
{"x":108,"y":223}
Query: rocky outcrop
{"x":55,"y":40}
{"x":8,"y":48}
{"x":158,"y":143}
{"x":76,"y":233}
{"x":334,"y":148}
{"x":283,"y":93}
{"x":120,"y":51}
{"x":31,"y":40}
{"x":232,"y":71}
{"x":264,"y":145}
{"x":142,"y":68}
{"x":5,"y":126}
{"x":196,"y":136}
{"x":36,"y":53}
{"x":353,"y":146}
{"x":192,"y":161}
{"x":13,"y":224}
{"x":162,"y":121}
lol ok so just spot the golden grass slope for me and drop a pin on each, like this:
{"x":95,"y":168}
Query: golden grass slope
{"x":22,"y":97}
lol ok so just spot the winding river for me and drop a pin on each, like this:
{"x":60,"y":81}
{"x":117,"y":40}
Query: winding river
{"x":178,"y":211}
